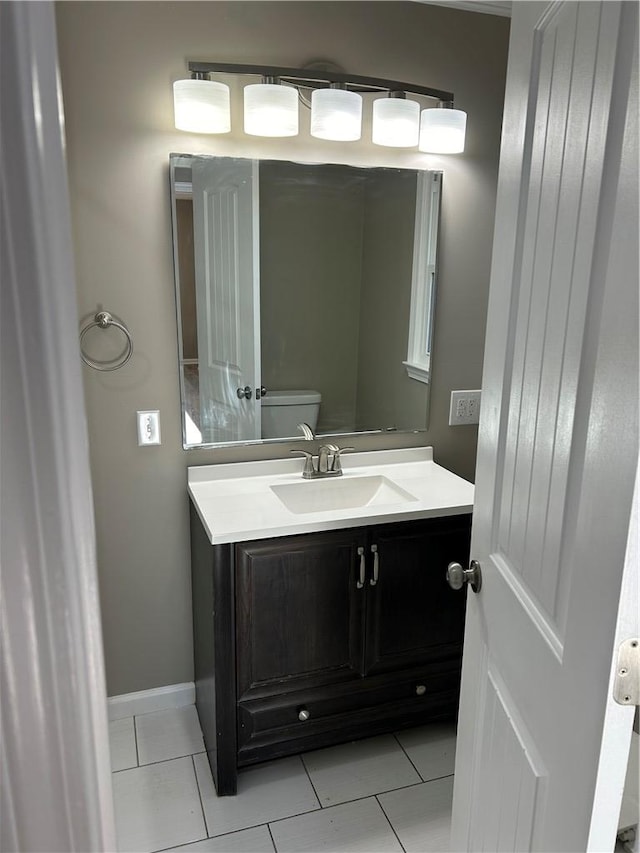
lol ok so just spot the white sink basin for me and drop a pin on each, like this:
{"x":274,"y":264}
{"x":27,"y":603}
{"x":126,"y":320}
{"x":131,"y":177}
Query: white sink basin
{"x":326,"y":495}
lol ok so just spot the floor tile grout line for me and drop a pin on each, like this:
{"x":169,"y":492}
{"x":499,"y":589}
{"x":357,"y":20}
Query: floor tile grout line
{"x":338,"y":805}
{"x":306,"y":770}
{"x":438,"y":778}
{"x":269,"y":822}
{"x":258,"y":825}
{"x":388,"y":819}
{"x":188,"y":731}
{"x":204,"y":818}
{"x":308,"y":812}
{"x":444,"y":776}
{"x":204,"y":814}
{"x":162,"y":761}
{"x":273,"y":841}
{"x":376,"y":794}
{"x":233,"y":832}
{"x":399,"y":742}
{"x":316,"y":810}
{"x":180,"y":846}
{"x":135,"y":738}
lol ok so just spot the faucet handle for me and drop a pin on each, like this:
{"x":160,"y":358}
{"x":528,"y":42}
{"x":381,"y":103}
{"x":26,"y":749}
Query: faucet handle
{"x":337,"y":462}
{"x":308,"y":462}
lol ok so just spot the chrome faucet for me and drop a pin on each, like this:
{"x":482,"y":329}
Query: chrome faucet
{"x":323,"y":459}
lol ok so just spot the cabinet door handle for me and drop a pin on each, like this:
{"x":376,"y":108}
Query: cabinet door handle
{"x":374,"y":579}
{"x":360,"y":582}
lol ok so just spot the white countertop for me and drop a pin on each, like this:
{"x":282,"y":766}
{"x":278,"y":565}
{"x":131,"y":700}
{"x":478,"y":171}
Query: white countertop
{"x":236,"y":503}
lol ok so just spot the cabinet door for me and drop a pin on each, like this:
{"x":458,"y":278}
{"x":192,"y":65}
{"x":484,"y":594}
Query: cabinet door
{"x":413,"y":617}
{"x":299,"y":613}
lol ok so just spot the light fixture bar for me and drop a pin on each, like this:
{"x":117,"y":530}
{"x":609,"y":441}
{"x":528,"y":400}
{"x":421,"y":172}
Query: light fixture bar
{"x":320,"y":79}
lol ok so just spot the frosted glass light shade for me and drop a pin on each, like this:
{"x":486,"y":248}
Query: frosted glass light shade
{"x":201,"y":106}
{"x":442,"y":131}
{"x":336,"y":114}
{"x":396,"y":122}
{"x":270,"y":110}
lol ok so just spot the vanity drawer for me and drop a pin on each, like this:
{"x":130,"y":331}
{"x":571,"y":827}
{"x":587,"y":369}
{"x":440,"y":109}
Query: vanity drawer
{"x":283,"y":725}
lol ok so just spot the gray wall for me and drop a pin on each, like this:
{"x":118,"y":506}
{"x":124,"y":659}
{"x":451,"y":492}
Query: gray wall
{"x":310,"y":272}
{"x":386,"y":394}
{"x":336,"y":256}
{"x":187,"y":273}
{"x":118,"y":61}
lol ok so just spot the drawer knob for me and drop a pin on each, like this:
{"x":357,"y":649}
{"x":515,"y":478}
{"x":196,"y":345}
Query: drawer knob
{"x":421,"y":690}
{"x":303,"y":715}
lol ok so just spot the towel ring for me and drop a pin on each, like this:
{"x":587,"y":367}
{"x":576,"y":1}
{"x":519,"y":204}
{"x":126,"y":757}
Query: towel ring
{"x":103,"y":320}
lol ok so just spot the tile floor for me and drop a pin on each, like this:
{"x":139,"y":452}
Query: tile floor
{"x":385,"y":794}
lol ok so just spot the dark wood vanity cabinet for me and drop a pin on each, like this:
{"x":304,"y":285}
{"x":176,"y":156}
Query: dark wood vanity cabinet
{"x":299,"y":614}
{"x":310,"y":640}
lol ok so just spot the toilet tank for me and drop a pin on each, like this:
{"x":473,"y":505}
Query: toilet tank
{"x":282,"y":411}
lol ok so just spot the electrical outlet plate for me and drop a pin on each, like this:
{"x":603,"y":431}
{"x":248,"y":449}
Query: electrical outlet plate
{"x":148,"y":428}
{"x":464,"y":408}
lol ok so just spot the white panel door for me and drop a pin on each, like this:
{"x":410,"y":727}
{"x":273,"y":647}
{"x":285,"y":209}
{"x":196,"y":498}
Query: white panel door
{"x":558,"y":439}
{"x":55,"y":774}
{"x":226,"y":232}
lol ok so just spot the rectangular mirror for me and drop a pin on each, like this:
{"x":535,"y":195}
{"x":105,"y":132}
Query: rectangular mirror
{"x":304,"y":293}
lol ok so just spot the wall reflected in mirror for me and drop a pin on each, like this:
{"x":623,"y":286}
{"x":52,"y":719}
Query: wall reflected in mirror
{"x":304,"y":292}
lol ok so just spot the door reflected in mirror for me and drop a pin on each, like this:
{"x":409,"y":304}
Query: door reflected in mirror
{"x":304,"y":293}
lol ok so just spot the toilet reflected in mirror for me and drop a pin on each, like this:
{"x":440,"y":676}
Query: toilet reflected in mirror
{"x":282,"y":411}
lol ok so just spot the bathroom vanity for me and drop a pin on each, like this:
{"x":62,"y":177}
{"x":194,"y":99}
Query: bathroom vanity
{"x":323,"y":615}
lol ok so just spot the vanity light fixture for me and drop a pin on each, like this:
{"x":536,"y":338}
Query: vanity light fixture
{"x":201,"y":105}
{"x":336,"y":114}
{"x":270,"y":109}
{"x":442,"y":130}
{"x":396,"y":121}
{"x":271,"y":106}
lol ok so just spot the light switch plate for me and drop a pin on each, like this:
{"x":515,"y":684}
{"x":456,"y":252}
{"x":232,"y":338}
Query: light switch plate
{"x":464,"y":408}
{"x":148,"y":428}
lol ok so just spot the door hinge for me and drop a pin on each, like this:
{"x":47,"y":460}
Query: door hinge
{"x":626,"y":686}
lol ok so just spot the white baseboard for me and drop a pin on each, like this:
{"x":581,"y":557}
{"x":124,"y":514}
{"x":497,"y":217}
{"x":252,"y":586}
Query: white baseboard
{"x":145,"y":701}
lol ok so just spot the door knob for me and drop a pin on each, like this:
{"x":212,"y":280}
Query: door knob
{"x":457,"y":577}
{"x":261,"y":392}
{"x":245,"y":392}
